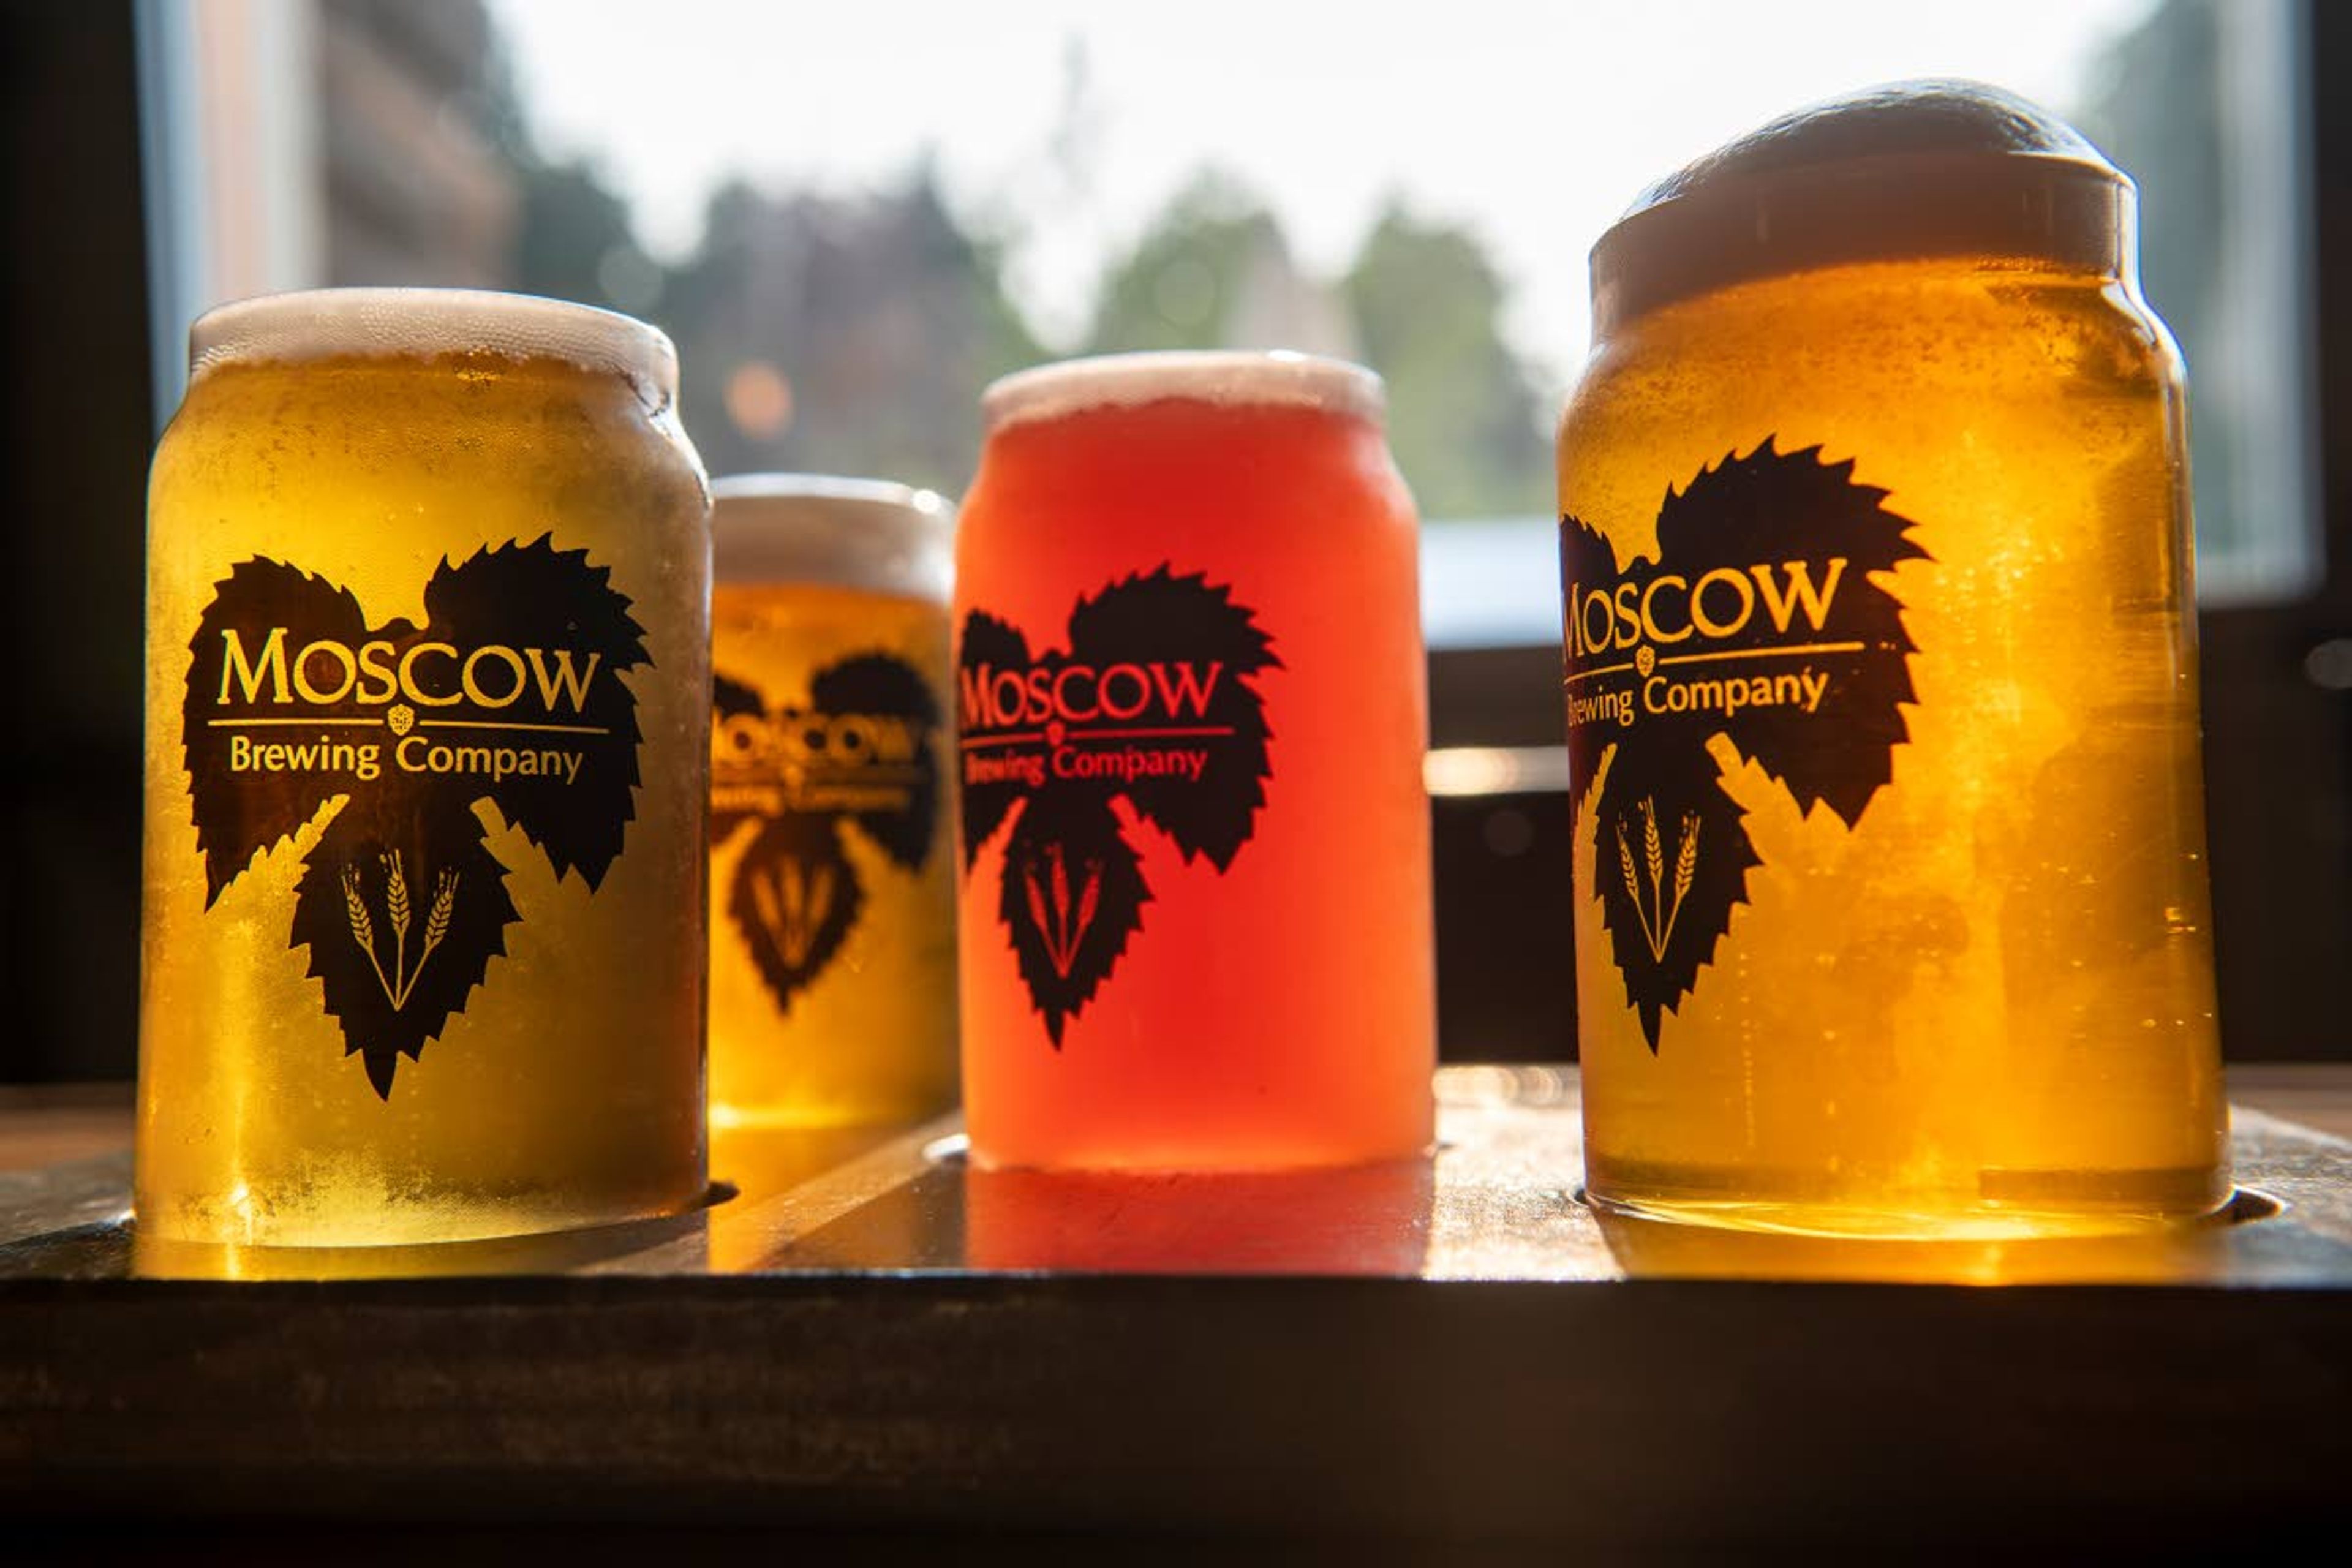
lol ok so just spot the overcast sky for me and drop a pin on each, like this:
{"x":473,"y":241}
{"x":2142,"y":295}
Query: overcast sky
{"x":1534,"y":124}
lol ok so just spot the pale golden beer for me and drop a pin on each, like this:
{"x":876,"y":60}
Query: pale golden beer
{"x":427,"y":730}
{"x":1892,"y":910}
{"x":832,"y":980}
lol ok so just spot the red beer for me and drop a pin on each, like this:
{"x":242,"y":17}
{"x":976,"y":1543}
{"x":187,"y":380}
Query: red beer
{"x":1195,"y":888}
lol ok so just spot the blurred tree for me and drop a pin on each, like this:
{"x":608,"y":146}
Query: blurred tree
{"x":1421,"y":305}
{"x":1463,"y":416}
{"x":842,"y":335}
{"x":575,"y":240}
{"x":574,"y":237}
{"x":1184,"y":284}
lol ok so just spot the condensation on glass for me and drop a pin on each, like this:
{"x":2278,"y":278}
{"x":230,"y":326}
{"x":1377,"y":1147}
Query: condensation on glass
{"x":1892,"y":910}
{"x":833,"y":891}
{"x":427,"y":730}
{"x":1195,"y":886}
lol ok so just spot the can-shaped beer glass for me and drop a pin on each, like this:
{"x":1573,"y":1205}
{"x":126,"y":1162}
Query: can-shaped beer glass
{"x":833,"y":890}
{"x":1892,"y":911}
{"x":427,"y":741}
{"x":1195,"y":901}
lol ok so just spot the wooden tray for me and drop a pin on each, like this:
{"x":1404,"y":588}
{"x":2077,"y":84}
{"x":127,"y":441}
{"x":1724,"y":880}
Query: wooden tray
{"x":869,"y":1335}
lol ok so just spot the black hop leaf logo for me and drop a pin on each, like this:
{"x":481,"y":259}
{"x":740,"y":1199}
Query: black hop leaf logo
{"x":1155,"y":704}
{"x":857,"y":758}
{"x":1758,"y":623}
{"x":508,"y":694}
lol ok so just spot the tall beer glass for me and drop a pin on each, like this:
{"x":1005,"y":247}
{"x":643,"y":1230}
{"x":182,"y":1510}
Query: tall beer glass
{"x":1196,"y":906}
{"x":1882,"y":694}
{"x":427,"y":729}
{"x":833,"y":892}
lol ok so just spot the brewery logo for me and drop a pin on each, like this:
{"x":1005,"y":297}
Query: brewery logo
{"x":858,"y":757}
{"x":1760,"y":624}
{"x":1152,"y":704}
{"x":509,"y":695}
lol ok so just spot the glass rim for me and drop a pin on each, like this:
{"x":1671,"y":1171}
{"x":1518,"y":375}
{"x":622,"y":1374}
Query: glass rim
{"x":2037,"y":207}
{"x":403,"y":322}
{"x":777,"y":486}
{"x":874,"y":535}
{"x":1932,"y":167}
{"x":1242,"y":377}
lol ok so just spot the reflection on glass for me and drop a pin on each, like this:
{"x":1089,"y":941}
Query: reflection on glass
{"x":1666,"y":1250}
{"x":1355,"y":1220}
{"x":812,"y":1165}
{"x":682,"y":1237}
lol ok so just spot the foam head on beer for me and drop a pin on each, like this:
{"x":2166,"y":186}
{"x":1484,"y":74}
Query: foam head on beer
{"x":427,"y":723}
{"x":832,"y":912}
{"x":1892,"y":913}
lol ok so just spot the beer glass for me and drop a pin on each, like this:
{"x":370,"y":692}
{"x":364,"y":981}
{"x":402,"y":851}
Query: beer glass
{"x":1195,"y":882}
{"x":427,"y":730}
{"x":1892,"y":913}
{"x":833,"y":896}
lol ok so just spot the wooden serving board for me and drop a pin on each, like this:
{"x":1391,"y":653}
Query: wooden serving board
{"x":870,"y":1335}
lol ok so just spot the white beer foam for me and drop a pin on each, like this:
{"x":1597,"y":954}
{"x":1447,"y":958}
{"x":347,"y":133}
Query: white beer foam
{"x":420,"y":323}
{"x":1908,"y":169}
{"x":1279,"y":376}
{"x":1936,"y":119}
{"x":867,"y":534}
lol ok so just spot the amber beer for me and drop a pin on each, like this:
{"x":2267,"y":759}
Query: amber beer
{"x":428,"y":728}
{"x":1195,"y":895}
{"x":832,"y":889}
{"x":1892,"y":911}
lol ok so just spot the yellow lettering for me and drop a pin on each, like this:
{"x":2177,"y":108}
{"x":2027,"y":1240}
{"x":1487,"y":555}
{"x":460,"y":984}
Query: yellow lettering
{"x":1722,"y":629}
{"x":337,"y":654}
{"x":409,"y":683}
{"x":1629,"y":619}
{"x":563,"y":678}
{"x":494,"y":652}
{"x":236,"y":667}
{"x":1779,"y":605}
{"x":374,"y":665}
{"x":1650,"y":617}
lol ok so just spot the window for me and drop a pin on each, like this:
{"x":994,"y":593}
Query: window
{"x":850,"y":218}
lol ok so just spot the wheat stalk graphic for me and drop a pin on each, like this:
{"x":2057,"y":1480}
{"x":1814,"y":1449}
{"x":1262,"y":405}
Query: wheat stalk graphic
{"x":1650,"y":854}
{"x":763,"y":895}
{"x":791,"y":882}
{"x":395,"y":896}
{"x":1063,"y":930}
{"x":1061,"y":885}
{"x":1659,"y":931}
{"x":399,"y":914}
{"x":1087,"y":901}
{"x":805,"y":902}
{"x":395,"y":906}
{"x":363,"y":927}
{"x":437,"y":926}
{"x":1634,"y":892}
{"x":1685,"y":870}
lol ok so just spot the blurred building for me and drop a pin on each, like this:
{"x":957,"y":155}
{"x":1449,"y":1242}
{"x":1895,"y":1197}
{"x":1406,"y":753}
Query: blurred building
{"x":345,"y":141}
{"x":417,"y":190}
{"x":844,"y":335}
